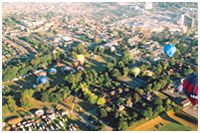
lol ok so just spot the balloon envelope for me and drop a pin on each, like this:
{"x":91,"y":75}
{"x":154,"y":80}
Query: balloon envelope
{"x":169,"y":50}
{"x":52,"y":71}
{"x":42,"y":80}
{"x":148,"y":73}
{"x":136,"y":71}
{"x":190,"y":86}
{"x":180,"y":88}
{"x":80,"y":58}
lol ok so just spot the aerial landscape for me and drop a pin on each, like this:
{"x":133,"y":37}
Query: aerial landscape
{"x":100,"y":66}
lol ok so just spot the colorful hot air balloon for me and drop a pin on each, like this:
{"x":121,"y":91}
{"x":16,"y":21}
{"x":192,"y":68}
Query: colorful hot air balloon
{"x":190,"y":87}
{"x":169,"y":50}
{"x":80,"y":58}
{"x":136,"y":71}
{"x":42,"y":80}
{"x":180,"y":88}
{"x":148,"y":73}
{"x":52,"y":71}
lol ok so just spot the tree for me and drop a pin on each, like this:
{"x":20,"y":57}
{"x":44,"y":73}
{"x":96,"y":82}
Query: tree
{"x":101,"y":50}
{"x":140,"y":91}
{"x":157,"y":101}
{"x":159,"y":69}
{"x":62,"y":56}
{"x":135,"y":115}
{"x":168,"y":101}
{"x":177,"y":75}
{"x":84,"y":87}
{"x":148,"y":113}
{"x":149,"y":87}
{"x":159,"y":109}
{"x":10,"y":73}
{"x":165,"y":65}
{"x":110,"y":66}
{"x":122,"y":125}
{"x":81,"y":49}
{"x":125,"y":71}
{"x":121,"y":65}
{"x":93,"y":98}
{"x":167,"y":104}
{"x":5,"y":109}
{"x":73,"y":79}
{"x":188,"y":71}
{"x":116,"y":73}
{"x":125,"y":56}
{"x":26,"y":98}
{"x":136,"y":97}
{"x":67,"y":91}
{"x":157,"y":86}
{"x":96,"y":48}
{"x":101,"y":101}
{"x":103,"y":113}
{"x":11,"y":104}
{"x":129,"y":102}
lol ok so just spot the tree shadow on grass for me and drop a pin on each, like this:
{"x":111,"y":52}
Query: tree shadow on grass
{"x":12,"y":117}
{"x":188,"y":118}
{"x":27,"y":83}
{"x":33,"y":110}
{"x":165,"y":116}
{"x":88,"y":107}
{"x":22,"y":113}
{"x":178,"y":100}
{"x":64,"y":105}
{"x":98,"y":66}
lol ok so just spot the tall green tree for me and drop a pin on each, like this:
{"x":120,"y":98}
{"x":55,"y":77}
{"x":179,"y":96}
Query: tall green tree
{"x":11,"y":104}
{"x":26,"y":98}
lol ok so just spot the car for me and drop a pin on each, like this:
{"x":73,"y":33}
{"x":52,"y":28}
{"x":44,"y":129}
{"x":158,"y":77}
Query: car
{"x":156,"y":126}
{"x":161,"y":124}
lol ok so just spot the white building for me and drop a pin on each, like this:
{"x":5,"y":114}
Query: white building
{"x":148,"y":5}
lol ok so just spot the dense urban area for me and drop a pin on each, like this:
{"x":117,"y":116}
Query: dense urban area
{"x":98,"y":66}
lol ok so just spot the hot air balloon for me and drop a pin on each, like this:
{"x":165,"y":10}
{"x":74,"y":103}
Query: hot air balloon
{"x":52,"y":71}
{"x":169,"y":50}
{"x":80,"y":58}
{"x":67,"y":69}
{"x":42,"y":80}
{"x":148,"y":73}
{"x":135,"y":71}
{"x":180,"y":88}
{"x":190,"y":87}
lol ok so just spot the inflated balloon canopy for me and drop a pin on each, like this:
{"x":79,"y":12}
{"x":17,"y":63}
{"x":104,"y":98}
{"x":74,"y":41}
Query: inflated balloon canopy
{"x":169,"y":50}
{"x":190,"y":86}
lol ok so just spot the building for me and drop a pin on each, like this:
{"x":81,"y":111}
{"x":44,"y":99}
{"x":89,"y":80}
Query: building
{"x":149,"y":96}
{"x":187,"y":21}
{"x":185,"y":103}
{"x":148,"y":5}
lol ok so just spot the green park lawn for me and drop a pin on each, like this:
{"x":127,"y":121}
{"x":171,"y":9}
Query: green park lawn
{"x":174,"y":127}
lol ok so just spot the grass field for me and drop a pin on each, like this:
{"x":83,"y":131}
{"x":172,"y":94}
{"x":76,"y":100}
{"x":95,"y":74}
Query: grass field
{"x":170,"y":122}
{"x":174,"y":127}
{"x":36,"y":104}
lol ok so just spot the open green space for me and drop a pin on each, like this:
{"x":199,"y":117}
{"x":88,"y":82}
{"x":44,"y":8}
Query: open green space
{"x":174,"y":127}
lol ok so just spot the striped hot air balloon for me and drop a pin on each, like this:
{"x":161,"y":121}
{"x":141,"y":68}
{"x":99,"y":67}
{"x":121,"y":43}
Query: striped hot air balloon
{"x":190,"y":87}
